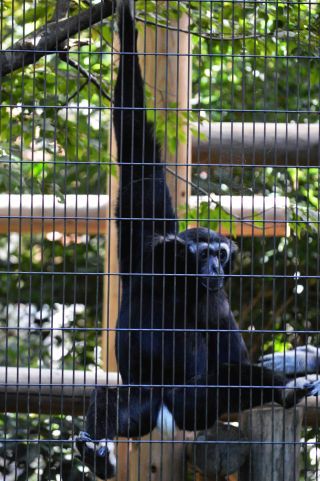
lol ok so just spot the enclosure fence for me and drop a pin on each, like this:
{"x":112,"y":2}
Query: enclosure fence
{"x":232,"y":91}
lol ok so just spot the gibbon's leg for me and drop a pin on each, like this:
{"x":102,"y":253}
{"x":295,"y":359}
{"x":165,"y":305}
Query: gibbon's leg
{"x":121,"y":411}
{"x":233,"y":388}
{"x":302,"y":360}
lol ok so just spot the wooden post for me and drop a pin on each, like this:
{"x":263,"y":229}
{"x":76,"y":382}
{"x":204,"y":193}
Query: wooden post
{"x":168,"y":77}
{"x":159,"y":461}
{"x":112,"y":286}
{"x":111,"y":293}
{"x":274,"y":434}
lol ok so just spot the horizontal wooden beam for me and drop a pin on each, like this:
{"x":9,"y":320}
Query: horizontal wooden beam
{"x":43,"y":391}
{"x":258,"y":143}
{"x":89,"y":214}
{"x":51,"y":391}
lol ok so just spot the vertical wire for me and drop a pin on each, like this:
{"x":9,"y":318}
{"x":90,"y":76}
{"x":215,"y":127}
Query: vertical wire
{"x":131,"y":323}
{"x":53,"y":246}
{"x":154,"y":319}
{"x":141,"y":254}
{"x":300,"y":52}
{"x":233,"y":118}
{"x":64,"y":282}
{"x":107,"y":237}
{"x":28,"y":430}
{"x":188,"y":175}
{"x":196,"y":323}
{"x":194,"y":171}
{"x":242,"y":68}
{"x":152,"y":381}
{"x":309,"y":163}
{"x":20,"y":280}
{"x":141,"y":313}
{"x":276,"y":170}
{"x":220,"y":117}
{"x":278,"y":63}
{"x":8,"y":280}
{"x":207,"y":314}
{"x":165,"y":161}
{"x":308,"y":292}
{"x":42,"y":262}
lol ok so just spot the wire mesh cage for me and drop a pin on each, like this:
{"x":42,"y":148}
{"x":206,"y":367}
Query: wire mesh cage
{"x":159,"y":240}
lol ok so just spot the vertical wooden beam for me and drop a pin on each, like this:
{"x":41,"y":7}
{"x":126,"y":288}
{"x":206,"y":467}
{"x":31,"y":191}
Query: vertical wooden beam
{"x":169,"y":78}
{"x":111,"y":290}
{"x":167,"y":73}
{"x":111,"y":282}
{"x":112,"y":286}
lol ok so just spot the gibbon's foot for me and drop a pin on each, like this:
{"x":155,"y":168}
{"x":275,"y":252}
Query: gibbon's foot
{"x":313,"y":388}
{"x":298,"y":388}
{"x":99,"y":455}
{"x":302,"y":360}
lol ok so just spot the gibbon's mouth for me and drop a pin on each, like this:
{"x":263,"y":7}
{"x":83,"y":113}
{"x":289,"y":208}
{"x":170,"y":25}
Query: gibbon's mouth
{"x":212,"y":285}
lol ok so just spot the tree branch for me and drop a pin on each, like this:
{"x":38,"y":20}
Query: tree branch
{"x":48,"y":38}
{"x":89,"y":76}
{"x":208,"y":36}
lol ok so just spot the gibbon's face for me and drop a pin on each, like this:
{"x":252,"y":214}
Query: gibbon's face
{"x":211,"y":254}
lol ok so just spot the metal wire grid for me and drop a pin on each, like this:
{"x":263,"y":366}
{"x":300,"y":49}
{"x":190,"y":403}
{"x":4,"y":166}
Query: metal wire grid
{"x":53,"y":126}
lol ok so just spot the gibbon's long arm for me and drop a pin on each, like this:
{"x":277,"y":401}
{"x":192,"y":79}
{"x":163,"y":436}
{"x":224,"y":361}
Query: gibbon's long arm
{"x":303,"y":360}
{"x":144,"y":204}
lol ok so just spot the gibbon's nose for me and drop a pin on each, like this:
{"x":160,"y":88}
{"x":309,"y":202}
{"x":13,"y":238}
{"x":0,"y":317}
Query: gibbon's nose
{"x":214,"y":267}
{"x":212,"y":274}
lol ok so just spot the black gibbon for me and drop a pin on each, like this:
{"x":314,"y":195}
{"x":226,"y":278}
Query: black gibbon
{"x":178,"y":347}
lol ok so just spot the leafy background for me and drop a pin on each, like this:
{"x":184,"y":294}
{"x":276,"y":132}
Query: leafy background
{"x":259,"y":64}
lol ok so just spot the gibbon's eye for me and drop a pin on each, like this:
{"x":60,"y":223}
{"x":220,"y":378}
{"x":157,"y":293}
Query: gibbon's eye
{"x":204,"y":254}
{"x":222,"y":255}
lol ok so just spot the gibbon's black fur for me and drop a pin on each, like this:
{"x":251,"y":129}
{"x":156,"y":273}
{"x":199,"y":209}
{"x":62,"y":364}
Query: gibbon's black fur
{"x":176,"y":331}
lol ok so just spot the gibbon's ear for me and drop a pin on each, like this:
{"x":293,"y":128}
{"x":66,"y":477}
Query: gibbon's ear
{"x":233,"y":253}
{"x":169,"y":252}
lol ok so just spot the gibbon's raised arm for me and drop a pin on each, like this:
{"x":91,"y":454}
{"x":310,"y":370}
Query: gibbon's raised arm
{"x":144,"y":196}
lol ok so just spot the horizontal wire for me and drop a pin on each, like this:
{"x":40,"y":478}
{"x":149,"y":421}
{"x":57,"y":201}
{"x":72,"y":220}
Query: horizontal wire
{"x":166,"y":330}
{"x":237,"y":220}
{"x":223,"y":163}
{"x":164,"y":441}
{"x":272,"y":276}
{"x":160,"y":109}
{"x":165,"y":54}
{"x":165,"y":386}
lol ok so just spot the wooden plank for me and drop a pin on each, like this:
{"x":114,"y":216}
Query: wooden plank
{"x":82,"y":214}
{"x":25,"y":213}
{"x":43,"y":391}
{"x":66,"y":391}
{"x":258,"y":143}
